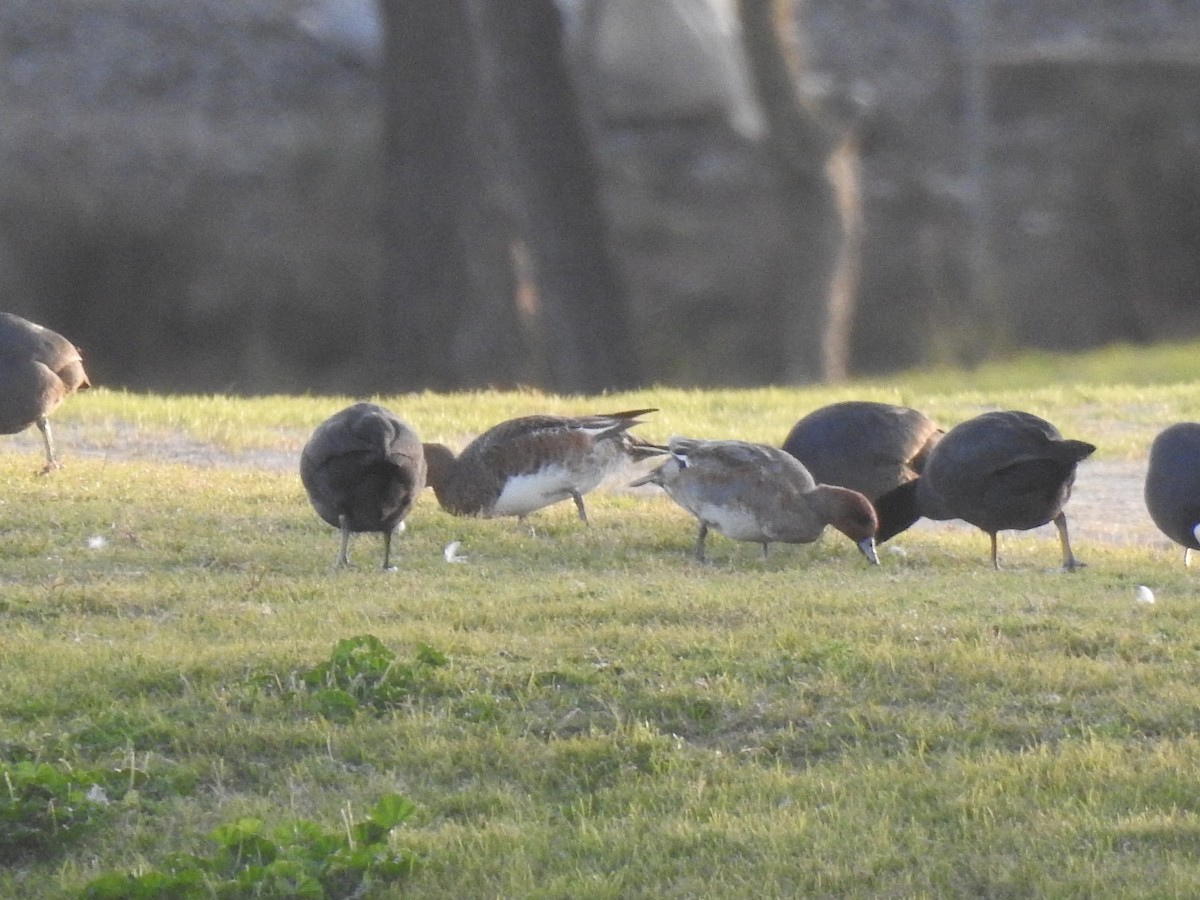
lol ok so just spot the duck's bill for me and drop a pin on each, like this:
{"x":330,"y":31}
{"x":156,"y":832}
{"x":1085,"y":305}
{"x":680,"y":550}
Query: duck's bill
{"x":867,"y":546}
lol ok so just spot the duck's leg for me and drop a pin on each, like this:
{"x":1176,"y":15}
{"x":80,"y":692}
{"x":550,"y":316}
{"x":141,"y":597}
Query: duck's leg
{"x":1070,"y":563}
{"x":387,"y":551}
{"x":52,"y":462}
{"x":578,"y":498}
{"x":703,"y":533}
{"x":343,"y":557}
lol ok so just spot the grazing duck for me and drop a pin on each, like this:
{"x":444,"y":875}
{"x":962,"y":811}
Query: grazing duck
{"x":524,"y":464}
{"x":752,"y":492}
{"x":998,"y":471}
{"x":39,"y":369}
{"x":1173,"y":485}
{"x":865,"y":446}
{"x":363,"y":469}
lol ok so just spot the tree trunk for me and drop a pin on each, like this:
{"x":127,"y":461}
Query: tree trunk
{"x":580,"y":300}
{"x":815,"y":335}
{"x":427,"y":88}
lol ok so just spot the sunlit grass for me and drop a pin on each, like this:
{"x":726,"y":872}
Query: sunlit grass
{"x":615,"y":720}
{"x":1126,"y":392}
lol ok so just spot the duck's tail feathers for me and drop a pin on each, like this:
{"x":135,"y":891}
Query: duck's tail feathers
{"x":639,"y":449}
{"x":630,"y":413}
{"x":1078,"y":450}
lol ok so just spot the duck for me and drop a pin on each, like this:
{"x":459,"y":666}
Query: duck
{"x":363,"y":469}
{"x":1000,"y":471}
{"x":863,"y":445}
{"x":1172,"y":490}
{"x":524,"y":464}
{"x":39,"y":369}
{"x":755,"y":492}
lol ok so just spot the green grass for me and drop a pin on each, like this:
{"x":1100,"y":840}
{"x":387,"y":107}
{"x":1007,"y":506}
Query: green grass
{"x":1128,"y":391}
{"x":613,"y":719}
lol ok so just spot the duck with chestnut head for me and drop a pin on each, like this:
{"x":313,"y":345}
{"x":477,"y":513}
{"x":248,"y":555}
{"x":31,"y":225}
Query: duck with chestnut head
{"x":753,"y":492}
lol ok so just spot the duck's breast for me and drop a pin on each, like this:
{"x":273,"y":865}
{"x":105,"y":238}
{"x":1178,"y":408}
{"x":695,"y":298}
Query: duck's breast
{"x":525,"y":493}
{"x":28,"y":391}
{"x":732,"y":520}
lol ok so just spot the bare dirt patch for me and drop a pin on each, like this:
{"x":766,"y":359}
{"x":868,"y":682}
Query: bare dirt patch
{"x":1106,"y":504}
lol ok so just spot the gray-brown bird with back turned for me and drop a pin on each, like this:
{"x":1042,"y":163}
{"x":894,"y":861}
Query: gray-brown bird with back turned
{"x":363,"y":469}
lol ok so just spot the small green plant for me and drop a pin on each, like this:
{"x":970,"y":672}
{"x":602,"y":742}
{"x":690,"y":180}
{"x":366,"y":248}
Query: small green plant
{"x":43,"y":804}
{"x":362,"y":672}
{"x":299,"y":859}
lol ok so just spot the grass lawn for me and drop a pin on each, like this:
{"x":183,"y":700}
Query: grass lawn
{"x":589,"y":712}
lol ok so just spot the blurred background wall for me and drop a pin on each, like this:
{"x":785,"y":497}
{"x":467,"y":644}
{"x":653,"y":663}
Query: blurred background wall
{"x":199,"y":194}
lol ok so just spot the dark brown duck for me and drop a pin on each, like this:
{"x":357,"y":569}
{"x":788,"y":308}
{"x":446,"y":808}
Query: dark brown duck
{"x":999,"y":471}
{"x":1172,"y":488}
{"x":866,"y":446}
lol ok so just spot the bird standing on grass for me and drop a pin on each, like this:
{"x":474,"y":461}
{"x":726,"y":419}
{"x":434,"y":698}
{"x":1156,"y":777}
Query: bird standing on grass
{"x":1172,"y":488}
{"x":39,"y":369}
{"x":752,"y":492}
{"x":866,"y":446}
{"x":363,"y":469}
{"x":524,"y":464}
{"x":999,"y":471}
